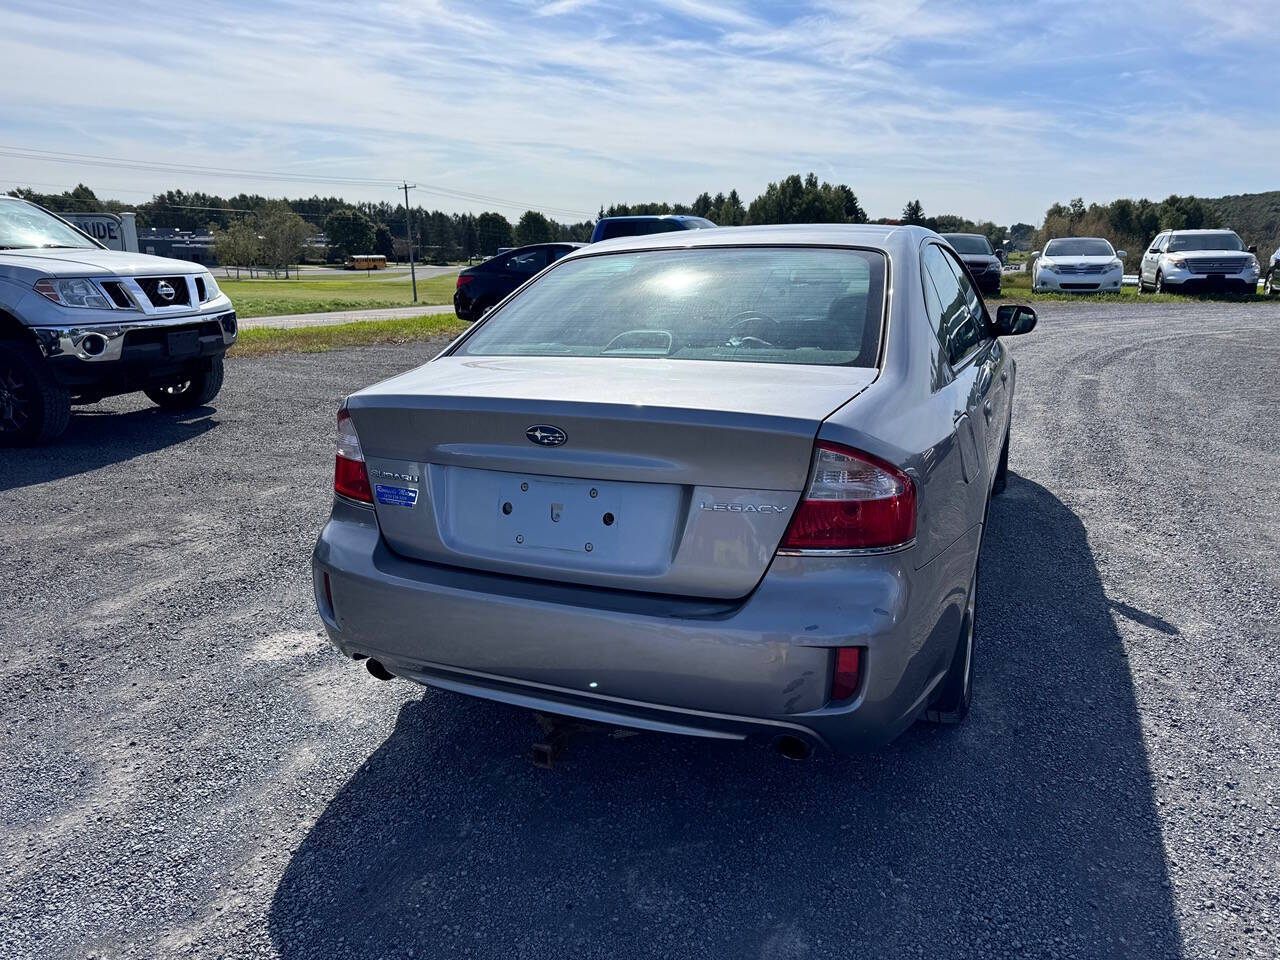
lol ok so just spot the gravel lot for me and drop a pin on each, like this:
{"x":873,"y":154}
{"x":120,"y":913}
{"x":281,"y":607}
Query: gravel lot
{"x":188,"y":769}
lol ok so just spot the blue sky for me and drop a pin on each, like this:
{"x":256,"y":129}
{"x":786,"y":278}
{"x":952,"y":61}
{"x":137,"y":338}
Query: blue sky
{"x":992,"y":110}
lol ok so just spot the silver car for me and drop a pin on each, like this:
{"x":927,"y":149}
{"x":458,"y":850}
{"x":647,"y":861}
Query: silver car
{"x":726,"y":482}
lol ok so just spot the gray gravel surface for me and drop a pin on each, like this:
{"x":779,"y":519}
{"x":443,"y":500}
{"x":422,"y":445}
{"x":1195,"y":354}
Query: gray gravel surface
{"x":187,"y":769}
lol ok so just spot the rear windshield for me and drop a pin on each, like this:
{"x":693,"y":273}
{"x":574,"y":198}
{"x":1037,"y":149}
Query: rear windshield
{"x":1205,"y":241}
{"x":762,"y":305}
{"x":971,"y":245}
{"x":1079,"y":247}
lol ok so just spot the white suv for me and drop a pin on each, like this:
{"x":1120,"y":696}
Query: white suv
{"x":1078,"y":265}
{"x":1195,"y":261}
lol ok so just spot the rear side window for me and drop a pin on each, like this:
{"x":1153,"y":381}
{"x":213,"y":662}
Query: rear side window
{"x":956,"y":298}
{"x":529,"y":262}
{"x":753,"y":304}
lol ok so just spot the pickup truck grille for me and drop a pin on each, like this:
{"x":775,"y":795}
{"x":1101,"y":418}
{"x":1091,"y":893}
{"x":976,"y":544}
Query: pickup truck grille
{"x":156,"y":287}
{"x":1216,"y":265}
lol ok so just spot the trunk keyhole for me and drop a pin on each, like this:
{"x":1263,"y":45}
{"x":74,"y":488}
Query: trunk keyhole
{"x":608,"y":519}
{"x":506,"y":508}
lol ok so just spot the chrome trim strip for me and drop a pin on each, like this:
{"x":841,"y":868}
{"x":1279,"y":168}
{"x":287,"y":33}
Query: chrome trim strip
{"x":859,"y":552}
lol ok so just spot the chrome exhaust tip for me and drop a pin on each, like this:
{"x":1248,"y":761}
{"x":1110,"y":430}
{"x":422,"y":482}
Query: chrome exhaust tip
{"x":378,"y":670}
{"x":793,"y":748}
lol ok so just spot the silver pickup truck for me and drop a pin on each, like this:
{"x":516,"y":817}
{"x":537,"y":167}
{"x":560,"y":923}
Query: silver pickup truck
{"x":79,"y":322}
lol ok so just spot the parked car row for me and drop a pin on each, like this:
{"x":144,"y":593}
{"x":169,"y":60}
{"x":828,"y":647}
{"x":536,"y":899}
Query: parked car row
{"x":730,"y":485}
{"x":1190,"y":261}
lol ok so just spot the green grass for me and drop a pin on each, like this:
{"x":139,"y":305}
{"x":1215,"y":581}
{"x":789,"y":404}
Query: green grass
{"x":273,"y":298}
{"x":257,"y":341}
{"x":1017,"y":286}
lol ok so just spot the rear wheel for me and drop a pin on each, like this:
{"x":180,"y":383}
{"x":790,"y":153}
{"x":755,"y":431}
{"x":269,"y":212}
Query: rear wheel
{"x":954,"y":697}
{"x":34,"y":407}
{"x":189,"y":394}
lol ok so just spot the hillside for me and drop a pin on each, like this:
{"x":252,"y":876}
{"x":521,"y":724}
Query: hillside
{"x":1255,"y":216}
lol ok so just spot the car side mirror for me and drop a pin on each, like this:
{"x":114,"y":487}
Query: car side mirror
{"x":1033,"y":253}
{"x":1253,"y":248}
{"x":1121,"y":254}
{"x":1013,"y":319}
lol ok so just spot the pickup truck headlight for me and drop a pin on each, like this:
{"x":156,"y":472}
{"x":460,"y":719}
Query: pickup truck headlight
{"x":208,"y":287}
{"x":73,"y":293}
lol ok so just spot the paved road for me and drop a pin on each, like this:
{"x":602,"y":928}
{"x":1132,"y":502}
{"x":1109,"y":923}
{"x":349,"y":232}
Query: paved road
{"x":342,"y":316}
{"x":186,"y":769}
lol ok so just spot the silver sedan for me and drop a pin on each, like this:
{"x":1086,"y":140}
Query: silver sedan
{"x":729,"y":483}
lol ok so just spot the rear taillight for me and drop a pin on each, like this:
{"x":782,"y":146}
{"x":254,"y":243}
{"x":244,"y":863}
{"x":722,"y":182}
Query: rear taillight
{"x":349,"y":476}
{"x":847,"y":673}
{"x":464,"y":279}
{"x":854,"y":502}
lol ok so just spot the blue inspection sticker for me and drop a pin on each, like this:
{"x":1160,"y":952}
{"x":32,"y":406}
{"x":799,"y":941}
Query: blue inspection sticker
{"x":395,"y":496}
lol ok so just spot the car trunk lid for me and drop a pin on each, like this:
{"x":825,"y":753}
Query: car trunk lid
{"x":673,"y":476}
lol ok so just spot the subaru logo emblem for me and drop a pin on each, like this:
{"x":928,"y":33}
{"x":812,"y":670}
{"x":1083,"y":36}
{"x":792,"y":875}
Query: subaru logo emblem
{"x":545,"y":435}
{"x":164,"y":289}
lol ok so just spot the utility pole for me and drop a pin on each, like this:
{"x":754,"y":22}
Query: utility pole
{"x":408,"y":235}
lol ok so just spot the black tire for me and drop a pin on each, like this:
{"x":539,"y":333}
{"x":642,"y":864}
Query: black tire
{"x":955,"y":696}
{"x":1271,"y":286}
{"x":1001,"y":479}
{"x":34,"y":407}
{"x":1159,"y":284}
{"x":189,"y":394}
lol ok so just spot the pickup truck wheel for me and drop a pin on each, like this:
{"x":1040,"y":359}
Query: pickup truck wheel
{"x":34,"y":407}
{"x":189,"y":394}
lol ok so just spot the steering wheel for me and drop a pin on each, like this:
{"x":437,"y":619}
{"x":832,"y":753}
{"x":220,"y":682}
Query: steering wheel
{"x":740,"y":320}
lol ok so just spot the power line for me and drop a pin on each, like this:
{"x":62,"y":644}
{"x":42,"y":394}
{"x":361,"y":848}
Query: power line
{"x":95,"y":160}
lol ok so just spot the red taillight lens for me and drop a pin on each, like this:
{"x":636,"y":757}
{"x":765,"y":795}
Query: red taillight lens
{"x":464,"y":279}
{"x":854,"y":502}
{"x":349,"y":476}
{"x":847,"y":673}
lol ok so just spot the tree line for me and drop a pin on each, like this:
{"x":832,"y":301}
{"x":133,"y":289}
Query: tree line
{"x":255,"y":232}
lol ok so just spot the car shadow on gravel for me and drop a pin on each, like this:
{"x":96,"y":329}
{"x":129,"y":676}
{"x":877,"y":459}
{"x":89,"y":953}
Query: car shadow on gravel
{"x":1032,"y":830}
{"x":98,"y":438}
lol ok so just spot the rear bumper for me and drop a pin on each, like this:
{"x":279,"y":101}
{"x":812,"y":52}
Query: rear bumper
{"x":757,"y":668}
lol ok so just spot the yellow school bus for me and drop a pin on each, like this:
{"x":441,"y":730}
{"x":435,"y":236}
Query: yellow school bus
{"x":365,"y":261}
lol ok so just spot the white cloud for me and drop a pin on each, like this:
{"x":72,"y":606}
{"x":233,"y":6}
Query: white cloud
{"x":573,"y":103}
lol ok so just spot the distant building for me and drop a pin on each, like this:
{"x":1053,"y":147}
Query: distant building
{"x":193,"y":245}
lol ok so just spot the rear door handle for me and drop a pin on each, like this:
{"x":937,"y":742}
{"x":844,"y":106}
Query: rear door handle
{"x":1004,"y":376}
{"x":987,"y":408}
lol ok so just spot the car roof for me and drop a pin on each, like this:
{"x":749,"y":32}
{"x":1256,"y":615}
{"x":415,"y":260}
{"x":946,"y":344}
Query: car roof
{"x":981,"y":236}
{"x":654,"y":216}
{"x":887,"y":237}
{"x":1051,"y":239}
{"x":1194,"y":233}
